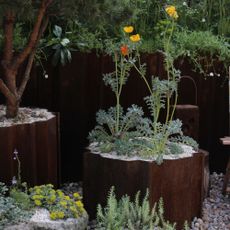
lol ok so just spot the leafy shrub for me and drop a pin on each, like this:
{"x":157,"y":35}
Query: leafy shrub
{"x":125,"y":214}
{"x":202,"y":48}
{"x":59,"y":205}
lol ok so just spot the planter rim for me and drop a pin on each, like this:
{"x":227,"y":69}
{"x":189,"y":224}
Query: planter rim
{"x":136,"y":158}
{"x":31,"y":115}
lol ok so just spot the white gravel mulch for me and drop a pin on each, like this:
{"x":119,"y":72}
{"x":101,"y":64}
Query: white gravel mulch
{"x":25,"y":116}
{"x":188,"y":151}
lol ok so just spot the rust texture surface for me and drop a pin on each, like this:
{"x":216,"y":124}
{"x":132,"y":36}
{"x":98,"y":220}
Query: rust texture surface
{"x":38,"y":148}
{"x":179,"y":182}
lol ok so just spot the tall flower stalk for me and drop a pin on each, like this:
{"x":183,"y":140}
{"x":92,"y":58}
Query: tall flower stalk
{"x":172,"y":74}
{"x":130,"y":133}
{"x":161,"y":91}
{"x":122,"y":59}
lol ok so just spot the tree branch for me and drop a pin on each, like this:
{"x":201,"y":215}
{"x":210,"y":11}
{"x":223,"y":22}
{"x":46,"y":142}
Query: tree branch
{"x":33,"y":36}
{"x":5,"y":91}
{"x":8,"y":37}
{"x":31,"y":59}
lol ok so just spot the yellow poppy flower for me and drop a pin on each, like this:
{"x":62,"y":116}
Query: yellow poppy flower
{"x":171,"y":11}
{"x":135,"y":38}
{"x":128,"y":29}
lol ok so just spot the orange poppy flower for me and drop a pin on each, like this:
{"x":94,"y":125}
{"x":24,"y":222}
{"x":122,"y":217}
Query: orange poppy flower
{"x":124,"y":50}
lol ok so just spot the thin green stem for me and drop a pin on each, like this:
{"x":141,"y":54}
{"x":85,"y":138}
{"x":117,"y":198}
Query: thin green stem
{"x":19,"y":170}
{"x":117,"y":96}
{"x":174,"y":106}
{"x":144,"y":78}
{"x":167,"y":51}
{"x":169,"y":65}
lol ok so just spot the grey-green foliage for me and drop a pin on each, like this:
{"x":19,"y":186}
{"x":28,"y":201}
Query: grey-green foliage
{"x":3,"y":189}
{"x":156,"y":144}
{"x":125,"y":214}
{"x":10,"y":212}
{"x":123,"y":140}
{"x":160,"y":90}
{"x":185,"y":140}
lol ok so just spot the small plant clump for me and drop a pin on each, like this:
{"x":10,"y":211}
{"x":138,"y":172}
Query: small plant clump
{"x":125,"y":214}
{"x":10,"y":210}
{"x":56,"y":202}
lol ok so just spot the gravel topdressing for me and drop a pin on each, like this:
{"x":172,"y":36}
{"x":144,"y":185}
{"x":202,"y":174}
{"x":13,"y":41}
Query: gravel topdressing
{"x":25,"y":116}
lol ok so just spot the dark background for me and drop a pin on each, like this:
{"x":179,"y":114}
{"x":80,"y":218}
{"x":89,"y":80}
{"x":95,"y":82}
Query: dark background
{"x":77,"y":91}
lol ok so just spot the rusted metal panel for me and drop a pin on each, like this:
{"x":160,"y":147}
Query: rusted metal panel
{"x":37,"y":145}
{"x":179,"y":182}
{"x":189,"y":115}
{"x":77,"y":91}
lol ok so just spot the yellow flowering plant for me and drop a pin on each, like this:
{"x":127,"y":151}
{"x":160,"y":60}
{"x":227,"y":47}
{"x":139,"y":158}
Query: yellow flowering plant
{"x":59,"y":205}
{"x":145,"y":137}
{"x":163,"y":138}
{"x":116,"y":130}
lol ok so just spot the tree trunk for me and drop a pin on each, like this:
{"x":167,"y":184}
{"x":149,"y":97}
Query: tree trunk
{"x":12,"y":107}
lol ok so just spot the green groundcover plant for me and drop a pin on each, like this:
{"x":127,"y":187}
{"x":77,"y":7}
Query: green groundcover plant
{"x":132,"y":215}
{"x":11,"y":212}
{"x":59,"y":205}
{"x":18,"y":203}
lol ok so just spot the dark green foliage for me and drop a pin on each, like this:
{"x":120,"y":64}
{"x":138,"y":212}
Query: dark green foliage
{"x":125,"y":214}
{"x":202,"y":48}
{"x":60,"y":45}
{"x":24,"y":8}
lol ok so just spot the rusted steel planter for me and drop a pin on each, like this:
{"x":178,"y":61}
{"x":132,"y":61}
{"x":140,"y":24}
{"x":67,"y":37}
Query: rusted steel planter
{"x":38,"y":147}
{"x":179,"y":182}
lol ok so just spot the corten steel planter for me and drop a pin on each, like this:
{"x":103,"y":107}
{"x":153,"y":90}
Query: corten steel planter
{"x":179,"y":182}
{"x":38,"y":148}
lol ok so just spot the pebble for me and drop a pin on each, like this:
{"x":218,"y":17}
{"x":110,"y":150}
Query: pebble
{"x":216,"y":208}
